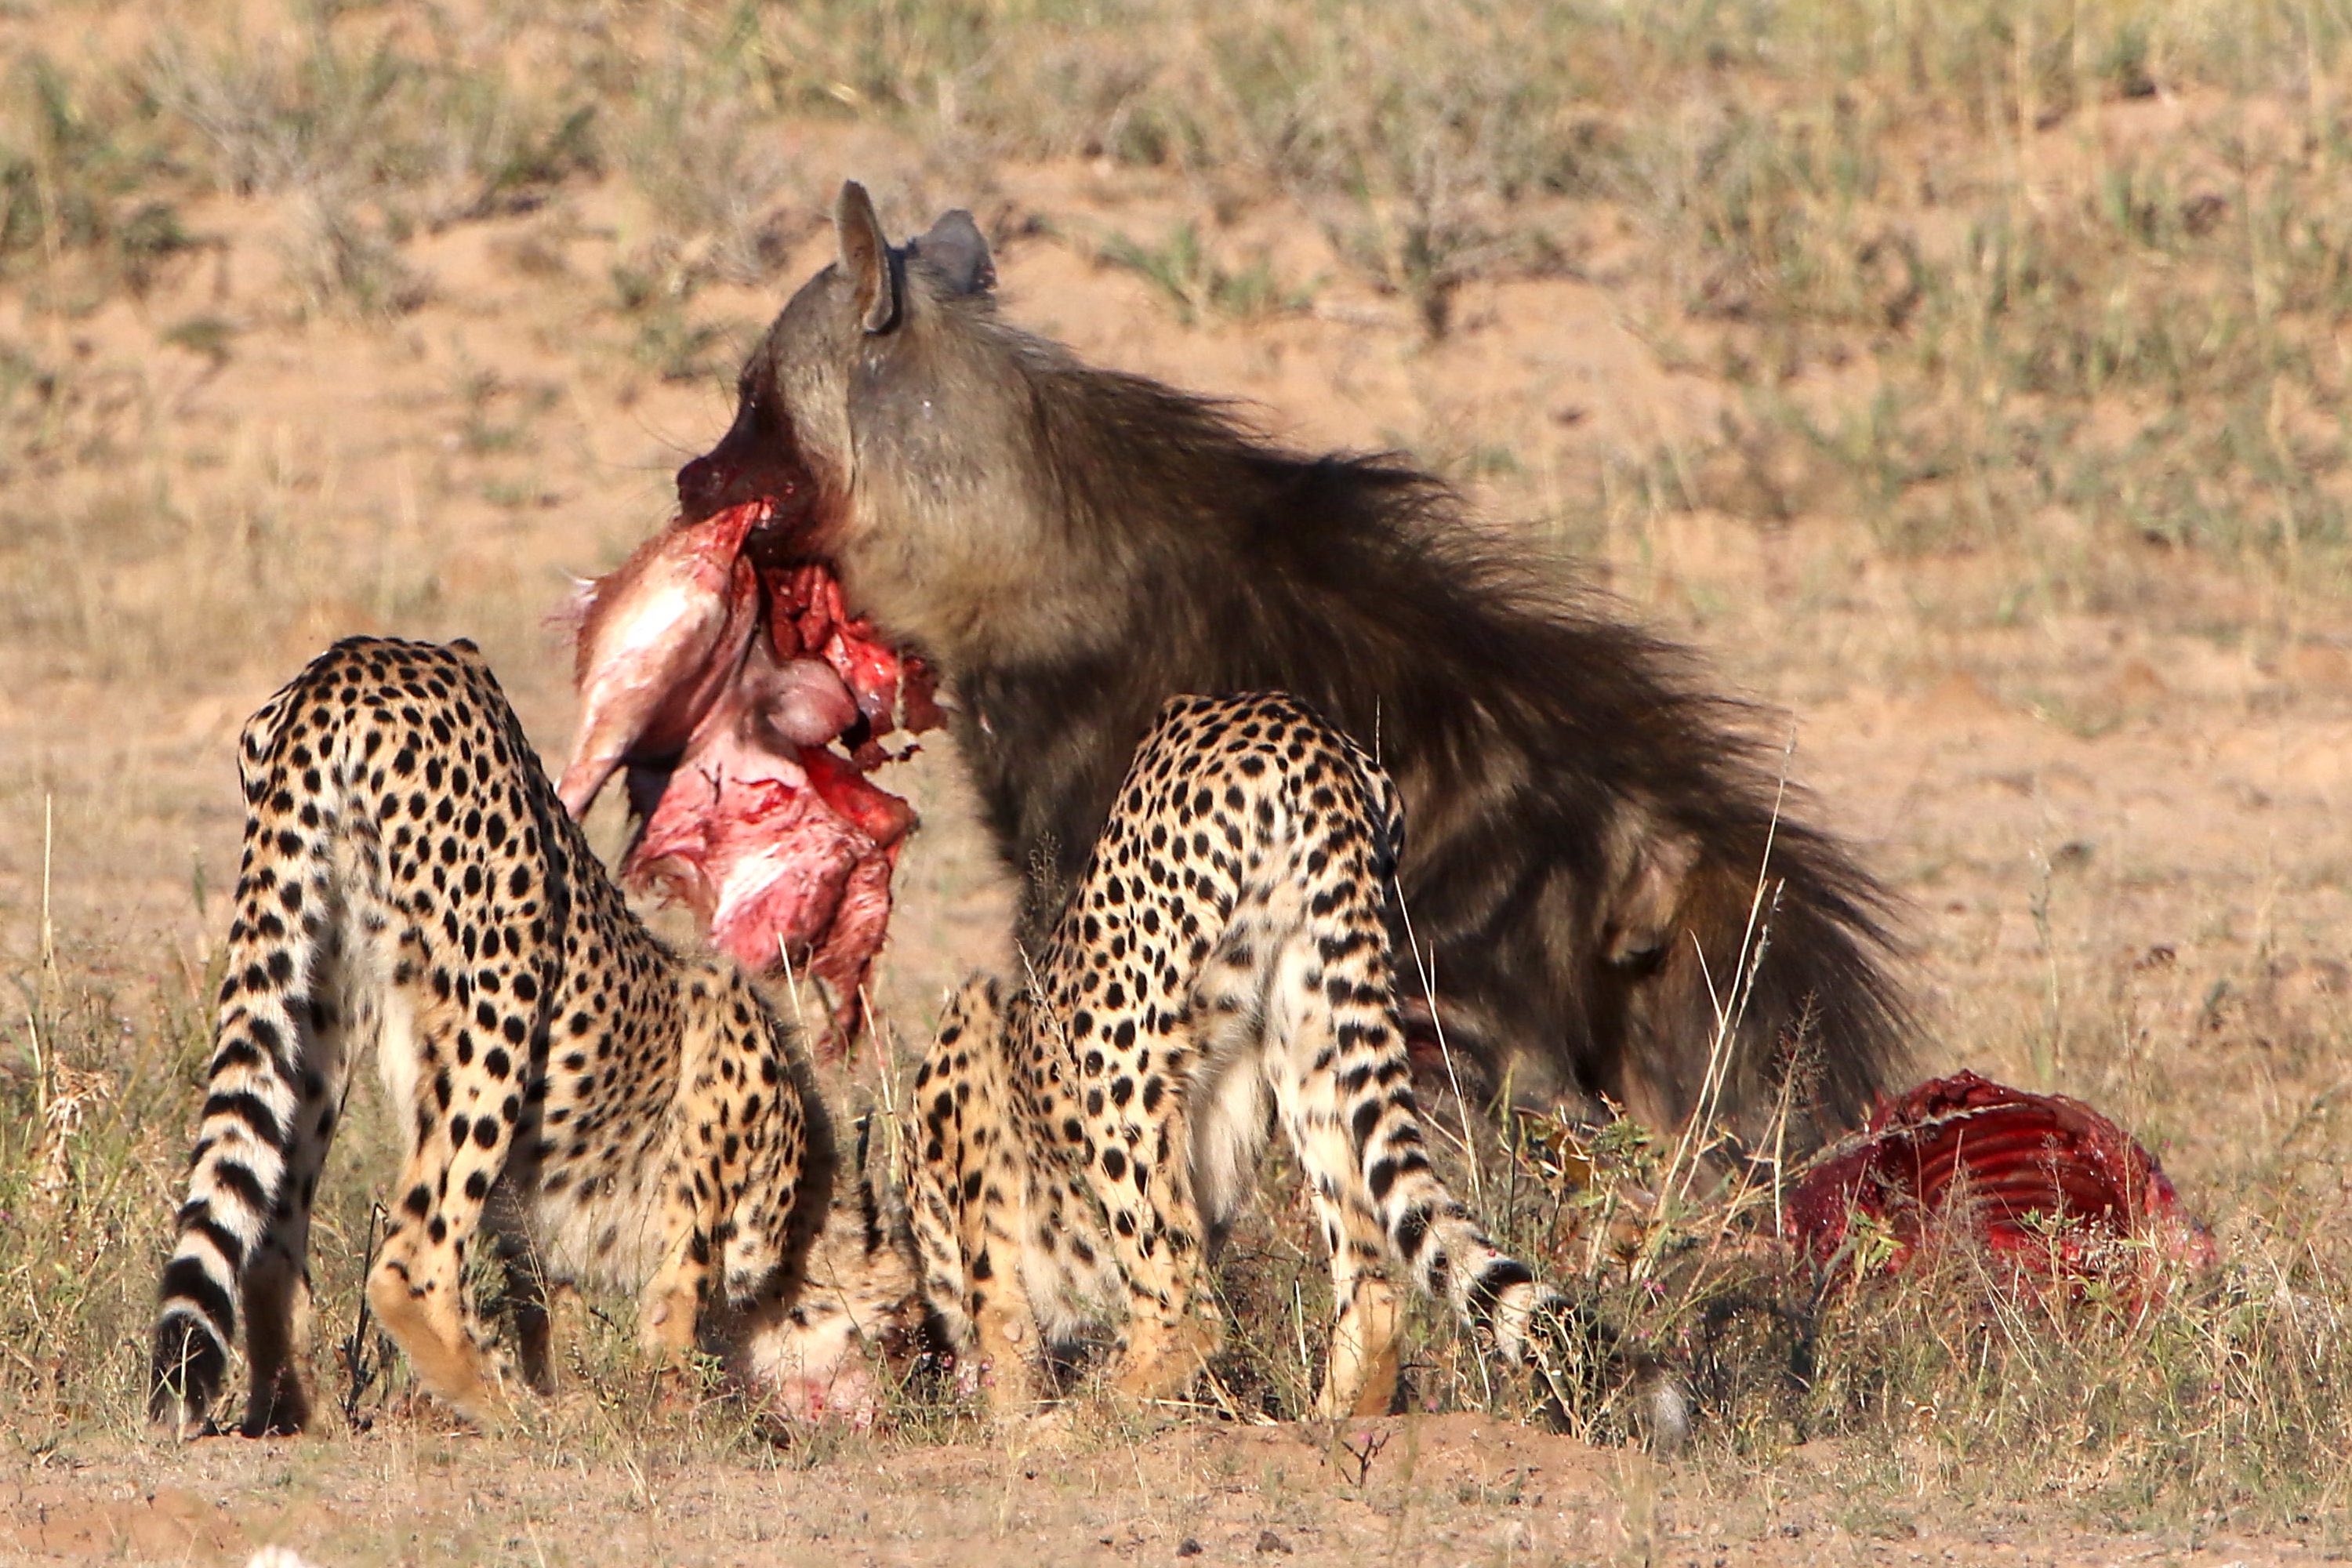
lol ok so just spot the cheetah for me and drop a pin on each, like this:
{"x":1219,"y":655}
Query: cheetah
{"x":566,"y":1086}
{"x":1089,"y":1132}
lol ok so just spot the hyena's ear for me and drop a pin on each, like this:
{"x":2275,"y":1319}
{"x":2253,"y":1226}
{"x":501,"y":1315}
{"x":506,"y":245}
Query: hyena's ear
{"x":881,"y":1181}
{"x":866,"y":258}
{"x":1652,"y":871}
{"x":957,"y":252}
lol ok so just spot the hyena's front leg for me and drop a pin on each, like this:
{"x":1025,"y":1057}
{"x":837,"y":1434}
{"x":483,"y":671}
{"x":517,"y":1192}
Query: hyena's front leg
{"x":533,"y":1304}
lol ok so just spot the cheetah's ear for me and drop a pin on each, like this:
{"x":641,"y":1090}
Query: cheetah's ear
{"x":865,"y":260}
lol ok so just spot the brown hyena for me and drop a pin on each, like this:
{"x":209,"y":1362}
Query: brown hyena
{"x":561,"y":1080}
{"x":1071,"y":546}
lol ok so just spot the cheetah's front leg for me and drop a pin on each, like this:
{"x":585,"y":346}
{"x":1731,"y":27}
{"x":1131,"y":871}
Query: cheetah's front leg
{"x":975,"y":1197}
{"x":417,"y":1287}
{"x":1143,"y":1181}
{"x":416,"y":1291}
{"x":1003,"y":1322}
{"x":671,"y":1304}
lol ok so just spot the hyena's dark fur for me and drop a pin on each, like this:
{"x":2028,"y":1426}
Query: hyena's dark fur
{"x":1072,"y":545}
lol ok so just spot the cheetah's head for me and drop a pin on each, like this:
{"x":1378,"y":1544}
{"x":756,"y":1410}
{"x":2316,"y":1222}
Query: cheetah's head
{"x":854,"y":1326}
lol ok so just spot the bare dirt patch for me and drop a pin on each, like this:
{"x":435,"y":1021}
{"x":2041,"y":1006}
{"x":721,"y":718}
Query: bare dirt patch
{"x":1432,"y":1490}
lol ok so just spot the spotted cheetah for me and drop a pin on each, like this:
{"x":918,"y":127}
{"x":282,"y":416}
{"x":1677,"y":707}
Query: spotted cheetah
{"x":564,"y":1083}
{"x":1089,"y":1132}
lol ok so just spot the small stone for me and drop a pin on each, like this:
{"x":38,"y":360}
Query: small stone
{"x":1267,"y":1540}
{"x":1187,"y":1547}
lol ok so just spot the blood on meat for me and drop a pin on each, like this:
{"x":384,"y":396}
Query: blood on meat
{"x":748,"y":707}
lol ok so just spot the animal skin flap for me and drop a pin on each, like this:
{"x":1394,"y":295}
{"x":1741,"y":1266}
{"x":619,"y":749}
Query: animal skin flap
{"x":748,"y":707}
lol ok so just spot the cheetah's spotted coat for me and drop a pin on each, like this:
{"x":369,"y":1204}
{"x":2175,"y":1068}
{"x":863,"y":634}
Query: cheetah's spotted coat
{"x":1088,"y":1131}
{"x":562,"y":1080}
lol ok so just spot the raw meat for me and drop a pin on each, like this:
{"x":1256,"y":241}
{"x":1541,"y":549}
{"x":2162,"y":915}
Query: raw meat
{"x":2041,"y":1181}
{"x":722,"y":688}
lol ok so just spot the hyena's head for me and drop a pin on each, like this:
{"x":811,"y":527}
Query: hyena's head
{"x":854,"y":1324}
{"x":875,"y":418}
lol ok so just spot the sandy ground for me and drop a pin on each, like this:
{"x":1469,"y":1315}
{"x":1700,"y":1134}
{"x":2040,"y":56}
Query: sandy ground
{"x":1437,"y":1490}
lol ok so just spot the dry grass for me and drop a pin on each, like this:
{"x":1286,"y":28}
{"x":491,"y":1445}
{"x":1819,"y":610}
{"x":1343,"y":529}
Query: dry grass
{"x":2210,"y":1401}
{"x":1966,"y":343}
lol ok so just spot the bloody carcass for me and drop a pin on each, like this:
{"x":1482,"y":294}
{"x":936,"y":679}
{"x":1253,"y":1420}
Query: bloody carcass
{"x":2042,"y":1184}
{"x":747,"y":710}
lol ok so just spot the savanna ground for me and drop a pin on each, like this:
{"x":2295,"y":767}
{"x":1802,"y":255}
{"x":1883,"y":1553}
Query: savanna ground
{"x":1968,"y":381}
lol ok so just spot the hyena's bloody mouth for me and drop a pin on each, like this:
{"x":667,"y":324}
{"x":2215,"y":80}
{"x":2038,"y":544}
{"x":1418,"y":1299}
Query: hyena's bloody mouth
{"x":723,"y":686}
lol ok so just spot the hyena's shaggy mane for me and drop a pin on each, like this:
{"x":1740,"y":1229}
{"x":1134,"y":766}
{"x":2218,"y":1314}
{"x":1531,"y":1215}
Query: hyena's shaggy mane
{"x":1588,"y":825}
